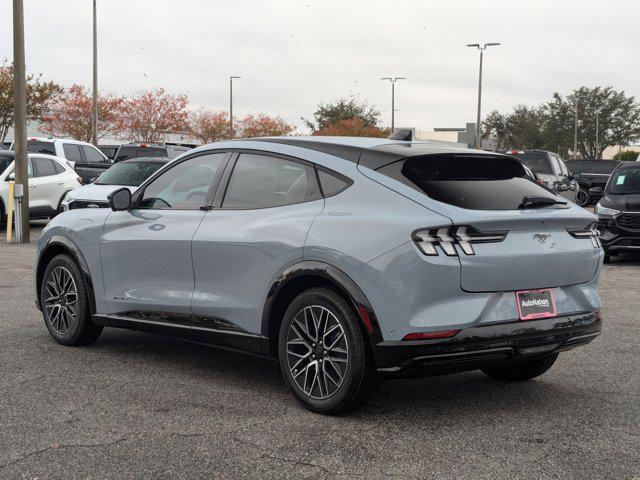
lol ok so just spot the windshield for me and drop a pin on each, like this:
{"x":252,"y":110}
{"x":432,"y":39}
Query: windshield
{"x":537,"y":162}
{"x":129,"y":174}
{"x":469,"y":181}
{"x":625,"y":182}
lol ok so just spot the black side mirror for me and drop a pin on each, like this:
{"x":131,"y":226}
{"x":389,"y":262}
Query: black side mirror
{"x":119,"y":200}
{"x":595,"y":190}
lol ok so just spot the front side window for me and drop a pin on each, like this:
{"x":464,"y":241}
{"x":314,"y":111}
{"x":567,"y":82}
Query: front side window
{"x":467,"y":181}
{"x":625,"y":182}
{"x":44,"y":167}
{"x":260,"y":181}
{"x":72,"y":152}
{"x":92,"y":155}
{"x":183,"y":186}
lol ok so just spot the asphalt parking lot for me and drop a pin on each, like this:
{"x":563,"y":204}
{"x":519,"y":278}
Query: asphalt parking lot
{"x":134,"y":405}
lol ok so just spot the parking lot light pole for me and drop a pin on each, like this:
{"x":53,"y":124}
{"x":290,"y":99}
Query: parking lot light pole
{"x":393,"y":99}
{"x":597,"y":134}
{"x":575,"y":132}
{"x":482,"y":48}
{"x":231,"y":78}
{"x":20,"y":123}
{"x":94,"y":105}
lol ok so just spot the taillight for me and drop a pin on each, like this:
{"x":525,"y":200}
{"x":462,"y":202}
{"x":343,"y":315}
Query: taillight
{"x":541,"y":182}
{"x":447,"y":238}
{"x":590,"y":232}
{"x":80,"y":181}
{"x":431,"y":335}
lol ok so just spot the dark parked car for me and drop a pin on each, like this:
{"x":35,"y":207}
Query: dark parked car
{"x":109,"y":150}
{"x":549,"y":170}
{"x":619,"y":211}
{"x":137,"y":150}
{"x":589,"y":174}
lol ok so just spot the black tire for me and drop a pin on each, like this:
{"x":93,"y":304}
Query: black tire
{"x":359,"y":380}
{"x":583,"y":197}
{"x":75,"y":328}
{"x":520,"y":370}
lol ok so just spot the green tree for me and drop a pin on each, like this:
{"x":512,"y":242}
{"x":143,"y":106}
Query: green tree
{"x":40,"y":96}
{"x":550,"y":126}
{"x":524,"y":128}
{"x":343,"y":109}
{"x":627,"y":156}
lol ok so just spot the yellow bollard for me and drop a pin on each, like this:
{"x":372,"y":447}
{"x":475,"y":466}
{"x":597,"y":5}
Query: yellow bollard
{"x":10,"y":210}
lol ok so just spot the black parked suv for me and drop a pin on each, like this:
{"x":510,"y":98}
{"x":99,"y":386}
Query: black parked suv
{"x":137,"y":150}
{"x":590,"y":174}
{"x":549,"y":170}
{"x":619,"y":210}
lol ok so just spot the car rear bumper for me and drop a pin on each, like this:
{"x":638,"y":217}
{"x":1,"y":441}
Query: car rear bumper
{"x":485,"y":345}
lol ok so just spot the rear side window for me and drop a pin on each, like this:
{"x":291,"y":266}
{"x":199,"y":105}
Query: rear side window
{"x":578,"y":166}
{"x":331,"y":184}
{"x":36,"y":146}
{"x":72,"y":152}
{"x":260,"y":181}
{"x":44,"y":167}
{"x":467,"y":181}
{"x":59,"y":168}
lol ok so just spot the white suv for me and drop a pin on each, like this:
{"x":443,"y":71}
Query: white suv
{"x":50,"y":178}
{"x":74,"y":151}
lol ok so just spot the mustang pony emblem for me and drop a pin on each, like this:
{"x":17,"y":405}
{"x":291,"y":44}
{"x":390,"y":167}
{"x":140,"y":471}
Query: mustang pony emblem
{"x":542,"y":237}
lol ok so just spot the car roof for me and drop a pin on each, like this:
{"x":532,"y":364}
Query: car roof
{"x":621,"y":165}
{"x":370,"y":152}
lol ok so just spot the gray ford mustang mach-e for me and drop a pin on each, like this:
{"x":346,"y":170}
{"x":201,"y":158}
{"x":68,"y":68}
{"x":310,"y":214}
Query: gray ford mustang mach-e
{"x":347,"y":259}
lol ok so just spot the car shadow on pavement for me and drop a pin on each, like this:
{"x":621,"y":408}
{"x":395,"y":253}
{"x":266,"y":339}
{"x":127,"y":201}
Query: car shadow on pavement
{"x":464,"y":394}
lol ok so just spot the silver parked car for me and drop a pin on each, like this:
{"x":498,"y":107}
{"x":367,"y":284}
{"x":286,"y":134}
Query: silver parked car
{"x":347,"y":259}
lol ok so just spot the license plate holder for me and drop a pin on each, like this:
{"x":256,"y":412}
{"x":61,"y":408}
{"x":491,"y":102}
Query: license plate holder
{"x":535,"y":304}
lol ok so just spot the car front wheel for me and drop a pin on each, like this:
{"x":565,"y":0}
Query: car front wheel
{"x":65,"y":303}
{"x":324,"y":356}
{"x":583,"y":198}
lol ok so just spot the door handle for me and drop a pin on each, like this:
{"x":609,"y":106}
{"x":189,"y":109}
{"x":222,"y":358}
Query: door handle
{"x":32,"y":185}
{"x":59,"y":182}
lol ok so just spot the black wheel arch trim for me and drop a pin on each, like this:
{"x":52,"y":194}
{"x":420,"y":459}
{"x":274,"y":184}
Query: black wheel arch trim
{"x":361,"y":305}
{"x":74,"y":251}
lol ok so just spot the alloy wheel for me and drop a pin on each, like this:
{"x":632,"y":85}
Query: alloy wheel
{"x":317,"y":352}
{"x":61,"y":300}
{"x":582,"y":198}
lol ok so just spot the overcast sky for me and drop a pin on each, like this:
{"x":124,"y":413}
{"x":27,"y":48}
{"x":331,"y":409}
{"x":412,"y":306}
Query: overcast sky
{"x":293,"y":54}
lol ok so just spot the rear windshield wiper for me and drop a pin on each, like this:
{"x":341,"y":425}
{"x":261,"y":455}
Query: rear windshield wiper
{"x":538,"y":202}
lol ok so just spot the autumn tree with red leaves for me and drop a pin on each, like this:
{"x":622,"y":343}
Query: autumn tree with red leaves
{"x":261,"y":125}
{"x":150,"y":116}
{"x":352,"y":127}
{"x":70,"y":115}
{"x":209,"y":126}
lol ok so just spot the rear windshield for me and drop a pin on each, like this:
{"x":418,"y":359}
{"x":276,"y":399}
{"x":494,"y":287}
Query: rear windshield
{"x":536,"y":161}
{"x":36,"y":146}
{"x":135,"y":151}
{"x":130,"y":174}
{"x":625,"y":182}
{"x":468,"y":181}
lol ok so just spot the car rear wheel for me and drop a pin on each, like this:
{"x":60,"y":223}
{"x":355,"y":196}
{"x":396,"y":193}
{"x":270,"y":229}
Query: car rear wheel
{"x":65,"y":304}
{"x":519,"y":370}
{"x":583,"y":198}
{"x":324,"y":356}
